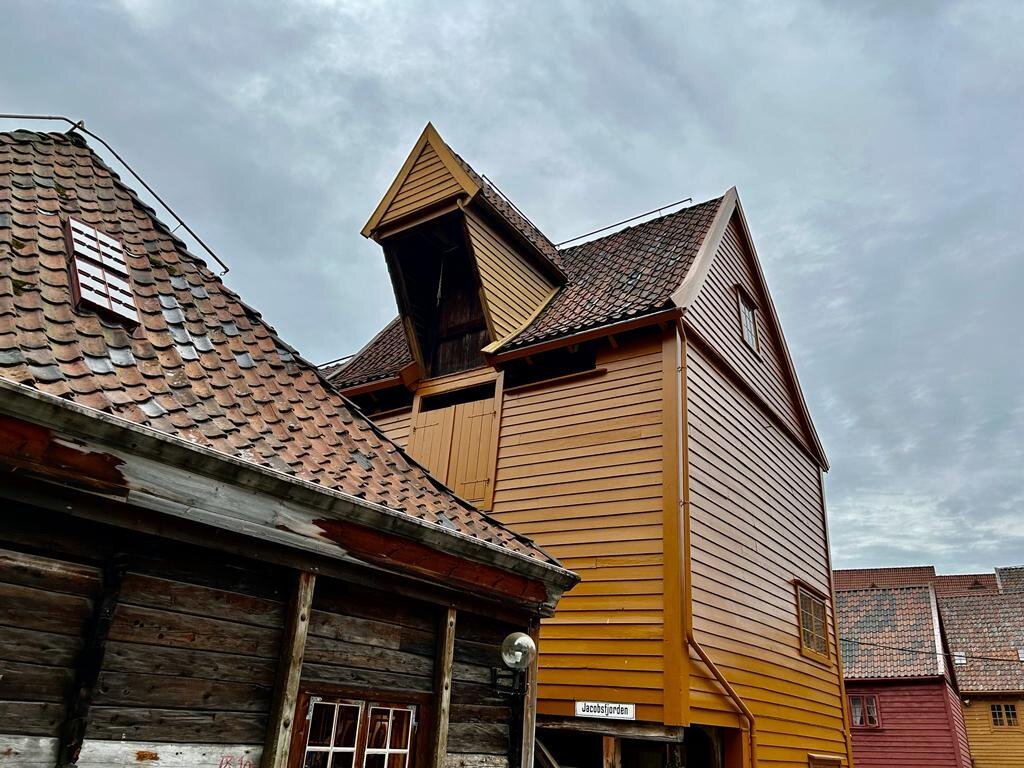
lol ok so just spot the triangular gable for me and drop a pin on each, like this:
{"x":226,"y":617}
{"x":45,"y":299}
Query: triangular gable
{"x":730,"y":224}
{"x":430,"y":176}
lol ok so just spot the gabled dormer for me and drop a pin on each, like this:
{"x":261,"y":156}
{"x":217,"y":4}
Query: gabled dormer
{"x":468,"y":268}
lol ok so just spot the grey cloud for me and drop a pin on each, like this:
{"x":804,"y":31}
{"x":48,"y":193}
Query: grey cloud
{"x":875,"y":146}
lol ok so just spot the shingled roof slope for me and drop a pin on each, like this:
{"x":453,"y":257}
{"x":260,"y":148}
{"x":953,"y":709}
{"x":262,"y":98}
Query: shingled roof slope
{"x":989,"y":626}
{"x":1011,"y":579}
{"x":965,"y":584}
{"x":202,"y":365}
{"x":865,"y":578}
{"x":896,"y":618}
{"x":628,"y":274}
{"x":383,"y":356}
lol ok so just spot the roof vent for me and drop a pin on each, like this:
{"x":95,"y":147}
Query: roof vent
{"x":99,"y":272}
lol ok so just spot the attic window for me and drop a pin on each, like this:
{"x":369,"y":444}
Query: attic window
{"x":960,"y":659}
{"x":748,"y":320}
{"x":99,"y":272}
{"x":1020,"y":654}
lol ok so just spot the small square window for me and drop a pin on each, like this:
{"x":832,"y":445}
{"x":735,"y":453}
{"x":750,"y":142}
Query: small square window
{"x":864,"y":712}
{"x":748,"y":319}
{"x":1020,"y":654}
{"x":960,"y":659}
{"x":813,"y":624}
{"x":1004,"y":715}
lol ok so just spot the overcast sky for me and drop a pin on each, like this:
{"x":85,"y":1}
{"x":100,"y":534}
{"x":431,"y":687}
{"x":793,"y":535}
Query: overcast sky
{"x":878,"y":148}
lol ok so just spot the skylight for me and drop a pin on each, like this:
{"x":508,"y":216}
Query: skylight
{"x":99,"y":272}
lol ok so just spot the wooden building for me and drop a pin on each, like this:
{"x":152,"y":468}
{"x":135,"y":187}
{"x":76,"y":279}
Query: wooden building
{"x":904,"y":708}
{"x":985,"y":635}
{"x":630,"y":404}
{"x":208,"y":557}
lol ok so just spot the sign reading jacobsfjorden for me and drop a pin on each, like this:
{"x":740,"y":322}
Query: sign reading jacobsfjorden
{"x":606,"y":710}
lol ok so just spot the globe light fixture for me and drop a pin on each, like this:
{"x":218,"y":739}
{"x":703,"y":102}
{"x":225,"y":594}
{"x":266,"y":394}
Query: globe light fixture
{"x":518,"y":651}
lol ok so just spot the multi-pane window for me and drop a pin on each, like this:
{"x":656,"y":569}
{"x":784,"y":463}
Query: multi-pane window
{"x":864,"y":711}
{"x":748,"y":321}
{"x":356,"y":734}
{"x":388,"y":737}
{"x":813,"y":626}
{"x":1004,"y":715}
{"x":99,"y":272}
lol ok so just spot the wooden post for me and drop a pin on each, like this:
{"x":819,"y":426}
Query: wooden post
{"x":445,"y":657}
{"x":530,"y":705}
{"x":88,"y":666}
{"x":612,"y":750}
{"x":289,"y":670}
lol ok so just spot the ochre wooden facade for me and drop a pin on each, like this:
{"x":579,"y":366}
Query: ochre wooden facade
{"x":994,"y":746}
{"x":675,"y":470}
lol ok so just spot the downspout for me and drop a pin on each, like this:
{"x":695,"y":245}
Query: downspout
{"x":684,"y":473}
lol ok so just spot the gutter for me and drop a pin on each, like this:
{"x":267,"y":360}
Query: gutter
{"x":691,"y":638}
{"x":27,"y":404}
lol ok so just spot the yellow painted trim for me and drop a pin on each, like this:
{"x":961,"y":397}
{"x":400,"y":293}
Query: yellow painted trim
{"x":432,"y":137}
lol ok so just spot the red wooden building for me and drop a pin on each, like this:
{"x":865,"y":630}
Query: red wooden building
{"x":904,"y":709}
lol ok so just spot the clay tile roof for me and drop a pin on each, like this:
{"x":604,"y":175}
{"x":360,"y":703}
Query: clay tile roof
{"x":864,"y":578}
{"x":202,"y":366}
{"x":1011,"y":579}
{"x":624,"y":275}
{"x":898,"y":618}
{"x":628,"y":274}
{"x":383,"y":356}
{"x":990,"y":626}
{"x":965,"y":584}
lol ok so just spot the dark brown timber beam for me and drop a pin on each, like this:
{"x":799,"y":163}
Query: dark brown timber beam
{"x":289,"y":670}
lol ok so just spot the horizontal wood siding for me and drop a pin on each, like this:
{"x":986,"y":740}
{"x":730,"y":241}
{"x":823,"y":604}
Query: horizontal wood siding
{"x":956,"y":711}
{"x":580,"y":471}
{"x":45,"y":605}
{"x":715,"y":315}
{"x":513,"y":288}
{"x":756,"y":524}
{"x":428,"y":182}
{"x":993,"y":747}
{"x":396,"y":426}
{"x":187,"y":662}
{"x":368,"y":640}
{"x":916,"y":730}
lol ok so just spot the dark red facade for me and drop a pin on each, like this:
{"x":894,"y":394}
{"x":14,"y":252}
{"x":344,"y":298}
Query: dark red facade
{"x":920,"y":725}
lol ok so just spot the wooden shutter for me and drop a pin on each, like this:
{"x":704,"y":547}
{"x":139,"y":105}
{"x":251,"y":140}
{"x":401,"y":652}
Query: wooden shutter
{"x":431,"y":441}
{"x":470,"y":468}
{"x":455,"y":444}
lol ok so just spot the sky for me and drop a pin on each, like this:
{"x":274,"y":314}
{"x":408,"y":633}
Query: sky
{"x":876,"y":146}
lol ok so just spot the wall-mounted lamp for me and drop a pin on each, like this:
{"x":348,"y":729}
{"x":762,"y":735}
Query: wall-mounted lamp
{"x":517,"y":653}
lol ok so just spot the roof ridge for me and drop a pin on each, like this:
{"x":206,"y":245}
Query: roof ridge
{"x":628,"y":227}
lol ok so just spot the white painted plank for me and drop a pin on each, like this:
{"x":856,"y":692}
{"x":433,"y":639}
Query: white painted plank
{"x":121,"y":754}
{"x":27,"y":751}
